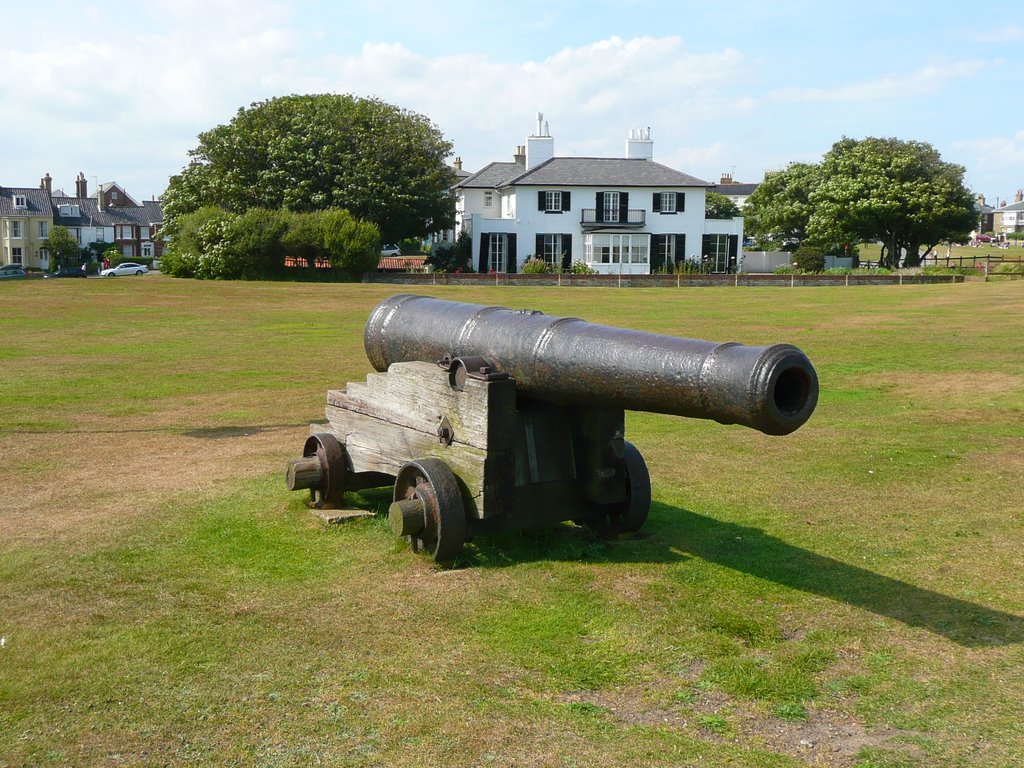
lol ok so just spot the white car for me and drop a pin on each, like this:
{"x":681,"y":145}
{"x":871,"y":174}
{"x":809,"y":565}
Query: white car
{"x":390,"y":249}
{"x":128,"y":268}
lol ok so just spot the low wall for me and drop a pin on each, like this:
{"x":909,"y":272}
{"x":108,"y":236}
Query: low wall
{"x":659,"y":281}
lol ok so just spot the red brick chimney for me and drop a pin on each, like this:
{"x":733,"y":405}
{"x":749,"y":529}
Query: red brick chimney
{"x":81,"y":186}
{"x":47,"y":183}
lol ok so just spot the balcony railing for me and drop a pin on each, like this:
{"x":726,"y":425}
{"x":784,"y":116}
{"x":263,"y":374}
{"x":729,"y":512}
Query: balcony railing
{"x":599,"y":217}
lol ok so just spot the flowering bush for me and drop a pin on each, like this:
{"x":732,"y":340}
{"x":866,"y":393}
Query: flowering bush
{"x":535,"y":266}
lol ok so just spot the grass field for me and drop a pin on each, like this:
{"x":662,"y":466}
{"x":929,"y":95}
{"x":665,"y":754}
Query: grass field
{"x":850,"y":595}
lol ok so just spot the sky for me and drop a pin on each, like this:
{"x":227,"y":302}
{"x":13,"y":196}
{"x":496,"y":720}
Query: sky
{"x":121,"y":90}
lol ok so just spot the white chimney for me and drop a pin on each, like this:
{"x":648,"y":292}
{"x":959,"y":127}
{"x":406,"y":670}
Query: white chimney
{"x":639,"y":145}
{"x":540,"y":147}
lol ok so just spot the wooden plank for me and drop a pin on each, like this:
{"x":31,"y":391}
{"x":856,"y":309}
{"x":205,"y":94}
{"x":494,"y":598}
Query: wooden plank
{"x":334,"y":516}
{"x":376,"y":445}
{"x":416,"y":395}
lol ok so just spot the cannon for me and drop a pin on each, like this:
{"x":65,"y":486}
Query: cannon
{"x":488,"y":419}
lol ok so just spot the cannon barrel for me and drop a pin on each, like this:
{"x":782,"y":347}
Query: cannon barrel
{"x":773,"y":389}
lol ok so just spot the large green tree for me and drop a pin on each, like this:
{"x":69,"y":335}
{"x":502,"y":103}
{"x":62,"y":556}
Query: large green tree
{"x":899,"y":192}
{"x":307,"y":153}
{"x":779,"y":210}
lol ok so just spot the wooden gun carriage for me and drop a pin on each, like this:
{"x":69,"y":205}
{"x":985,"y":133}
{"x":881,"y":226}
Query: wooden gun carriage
{"x":488,"y":419}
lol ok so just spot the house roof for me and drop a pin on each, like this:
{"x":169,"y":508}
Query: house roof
{"x":147,"y":214}
{"x":604,"y":171}
{"x":1011,"y":207}
{"x":89,"y":214}
{"x":732,"y":190}
{"x":491,"y":176}
{"x":150,"y":212}
{"x":37,"y":202}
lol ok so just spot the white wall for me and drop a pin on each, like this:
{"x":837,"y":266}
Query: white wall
{"x":764,"y":261}
{"x":532,"y":221}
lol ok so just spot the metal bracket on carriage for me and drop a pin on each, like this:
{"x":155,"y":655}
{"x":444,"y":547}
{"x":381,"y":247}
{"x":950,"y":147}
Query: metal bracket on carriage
{"x":445,"y":431}
{"x":468,"y":367}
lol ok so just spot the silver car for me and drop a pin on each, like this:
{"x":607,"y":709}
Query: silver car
{"x":128,"y":268}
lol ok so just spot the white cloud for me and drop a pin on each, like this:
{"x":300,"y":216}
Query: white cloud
{"x":894,"y":86}
{"x":1001,"y":154}
{"x":591,"y":95}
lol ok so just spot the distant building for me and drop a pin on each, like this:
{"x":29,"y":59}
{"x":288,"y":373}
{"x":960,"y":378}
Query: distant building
{"x":110,"y":216}
{"x":985,"y":214}
{"x":736,"y":191}
{"x":26,"y":217}
{"x":445,"y":237}
{"x":1009,"y":218}
{"x":619,"y":215}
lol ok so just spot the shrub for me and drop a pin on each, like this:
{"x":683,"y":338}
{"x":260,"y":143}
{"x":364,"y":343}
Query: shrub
{"x":581,"y":268}
{"x":535,"y":266}
{"x":1009,"y":268}
{"x":255,"y":243}
{"x":448,"y":257}
{"x":785,"y":269}
{"x":411,"y":246}
{"x":807,"y":258}
{"x":196,"y":248}
{"x":839,"y":271}
{"x":352,"y":245}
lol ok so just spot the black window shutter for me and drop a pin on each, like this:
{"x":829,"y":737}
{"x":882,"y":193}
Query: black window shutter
{"x":680,"y":202}
{"x":510,"y":257}
{"x":656,"y":203}
{"x":540,"y":201}
{"x":734,"y":250}
{"x":680,"y":249}
{"x":483,"y":253}
{"x":538,"y":247}
{"x":599,"y":214}
{"x":705,"y":246}
{"x":624,"y":207}
{"x":565,"y":201}
{"x":656,"y":254}
{"x":566,"y":251}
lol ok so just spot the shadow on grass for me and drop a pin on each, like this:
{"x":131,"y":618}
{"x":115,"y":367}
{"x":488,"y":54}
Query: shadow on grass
{"x":752,"y":551}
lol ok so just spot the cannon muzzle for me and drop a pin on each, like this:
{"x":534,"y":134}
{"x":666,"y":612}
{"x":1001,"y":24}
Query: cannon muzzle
{"x":773,"y":389}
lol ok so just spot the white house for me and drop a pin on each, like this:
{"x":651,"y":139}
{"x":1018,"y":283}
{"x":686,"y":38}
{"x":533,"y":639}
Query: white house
{"x":626,"y":215}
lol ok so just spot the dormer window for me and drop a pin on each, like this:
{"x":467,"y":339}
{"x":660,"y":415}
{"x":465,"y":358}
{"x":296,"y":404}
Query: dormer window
{"x":69,"y":210}
{"x":20,"y":201}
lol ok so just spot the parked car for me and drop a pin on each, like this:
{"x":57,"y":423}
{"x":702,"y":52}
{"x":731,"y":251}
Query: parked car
{"x":67,"y":272}
{"x":8,"y":271}
{"x":390,"y":250}
{"x":128,"y":268}
{"x":984,"y":238}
